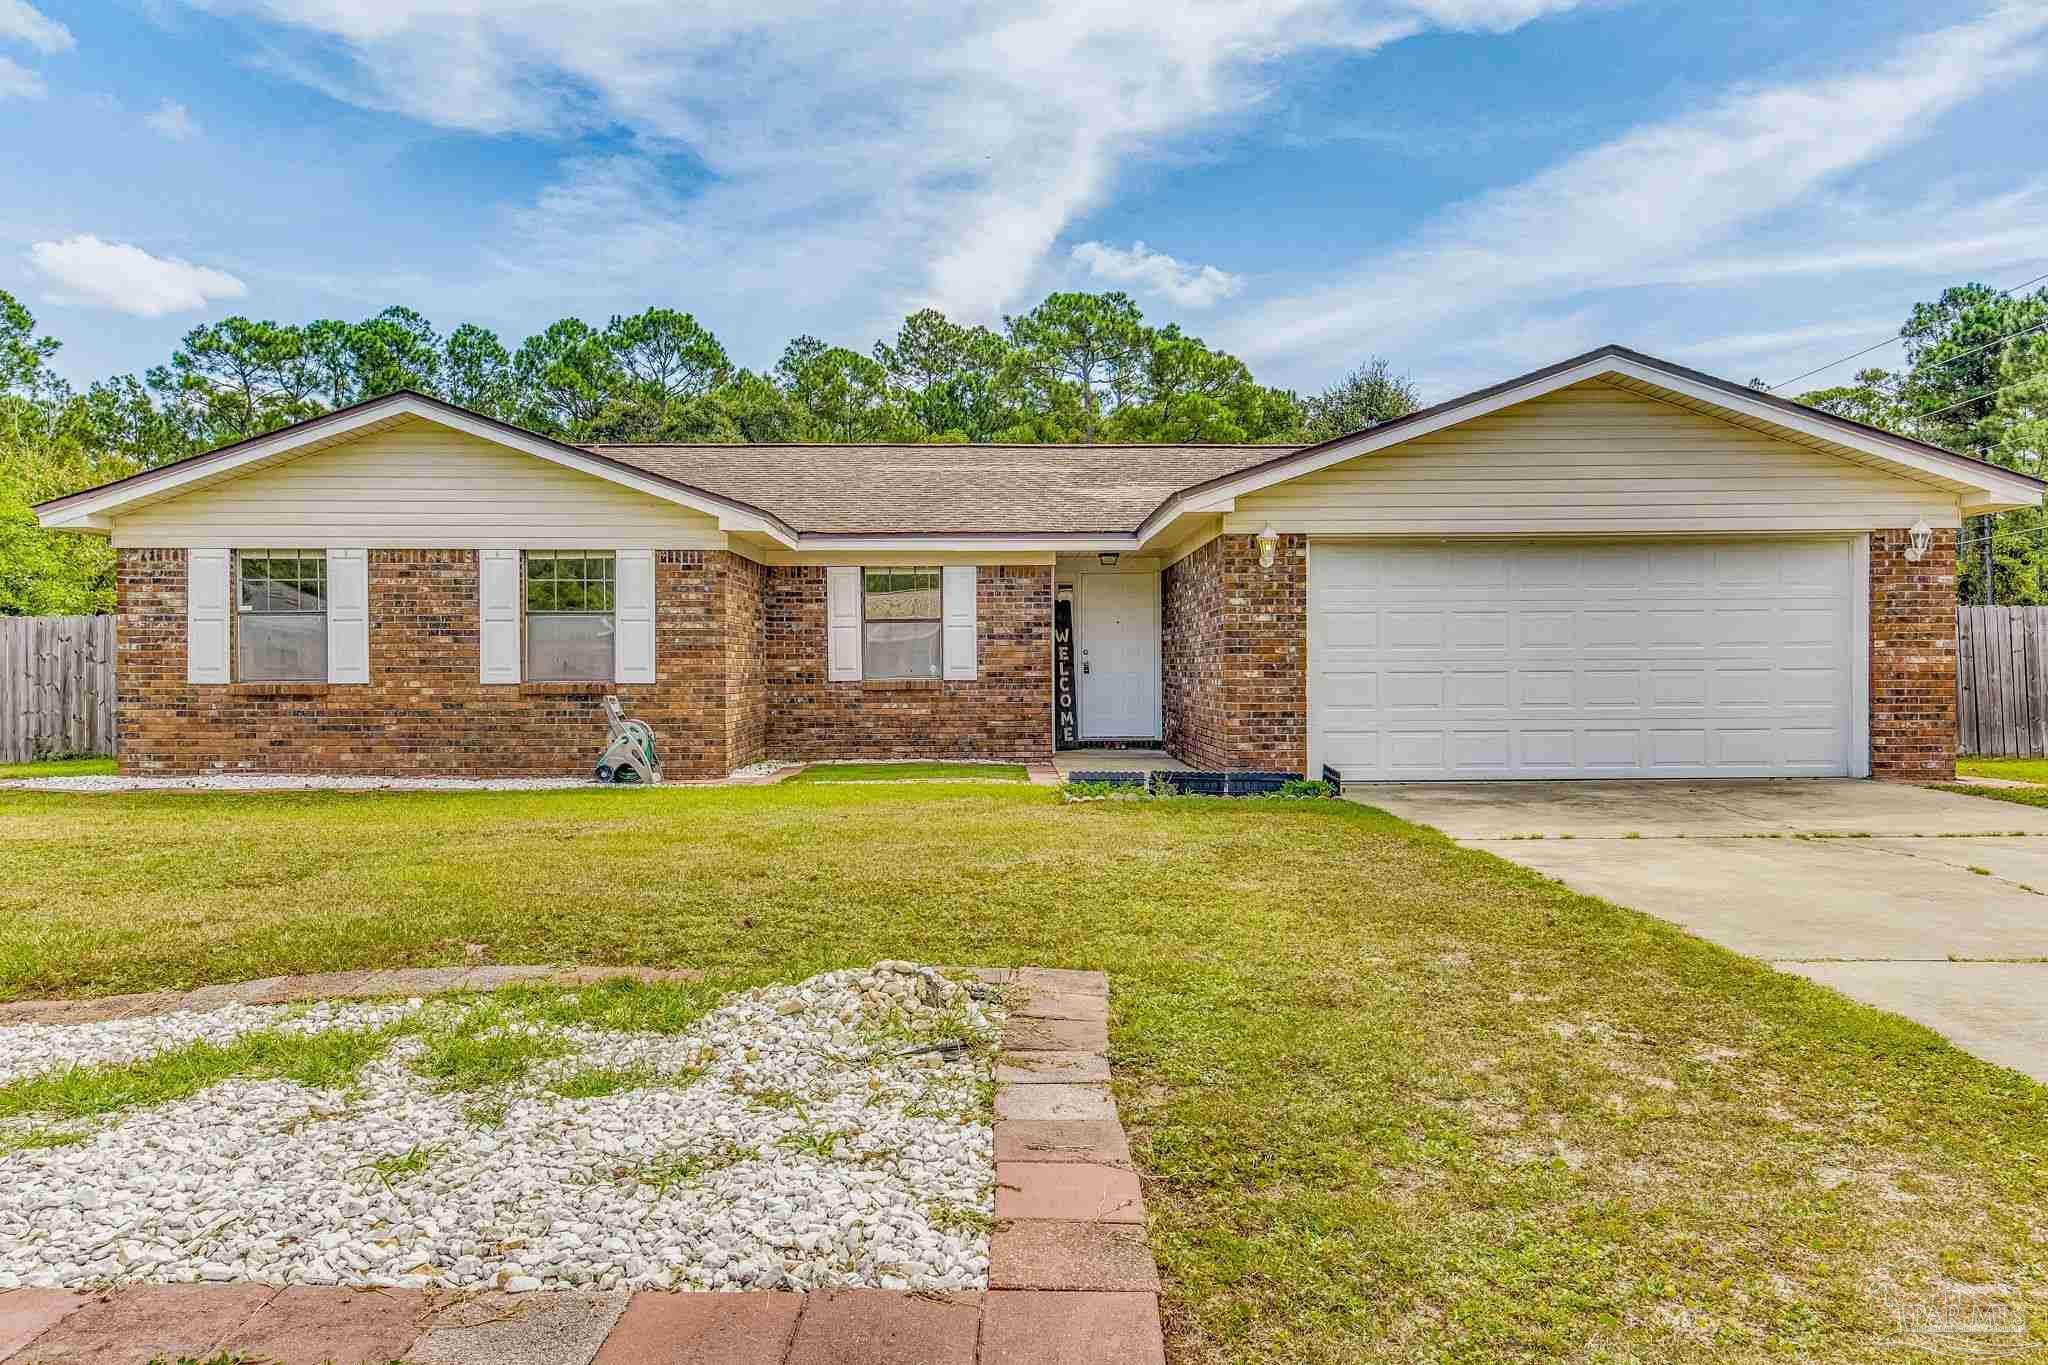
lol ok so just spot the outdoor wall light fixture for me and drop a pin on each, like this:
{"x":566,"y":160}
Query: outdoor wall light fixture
{"x":1108,"y":560}
{"x":1269,"y":544}
{"x":1919,"y":540}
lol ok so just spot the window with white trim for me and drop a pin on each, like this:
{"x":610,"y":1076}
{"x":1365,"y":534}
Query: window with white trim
{"x":571,"y":622}
{"x":902,"y":623}
{"x":280,"y":615}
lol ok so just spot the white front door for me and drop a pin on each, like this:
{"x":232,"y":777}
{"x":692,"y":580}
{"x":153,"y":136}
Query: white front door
{"x":1654,"y":658}
{"x":1118,"y":640}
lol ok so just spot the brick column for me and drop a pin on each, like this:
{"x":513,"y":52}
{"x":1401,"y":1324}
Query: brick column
{"x":1236,"y":656}
{"x":1265,"y":654}
{"x":1191,"y":630}
{"x":1912,"y":659}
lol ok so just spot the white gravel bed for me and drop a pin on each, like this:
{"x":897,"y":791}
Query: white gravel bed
{"x":292,"y":782}
{"x":906,"y":762}
{"x":803,"y":1156}
{"x":287,"y":782}
{"x":29,"y":1049}
{"x":764,"y":767}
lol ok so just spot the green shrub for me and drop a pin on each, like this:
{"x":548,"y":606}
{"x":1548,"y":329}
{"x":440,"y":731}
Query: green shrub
{"x":1305,"y":787}
{"x":1100,"y":791}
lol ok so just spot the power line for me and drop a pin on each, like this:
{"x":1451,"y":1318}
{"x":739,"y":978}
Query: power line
{"x":1773,"y":388}
{"x":1998,"y":535}
{"x":1960,"y":402}
{"x":1997,"y":530}
{"x":1997,"y":341}
{"x":1889,"y":340}
{"x":2001,"y":537}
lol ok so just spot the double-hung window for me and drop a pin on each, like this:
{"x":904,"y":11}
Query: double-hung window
{"x":281,"y":615}
{"x":901,"y":624}
{"x":571,"y":615}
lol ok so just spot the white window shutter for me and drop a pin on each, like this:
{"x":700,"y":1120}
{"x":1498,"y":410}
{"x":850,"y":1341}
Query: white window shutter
{"x":633,"y":611}
{"x":348,"y":616}
{"x":498,"y":615}
{"x":206,"y":616}
{"x":842,"y":625}
{"x":957,"y":610}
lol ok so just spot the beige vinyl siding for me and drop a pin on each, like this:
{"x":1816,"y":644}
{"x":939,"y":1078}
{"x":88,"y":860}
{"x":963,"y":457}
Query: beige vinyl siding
{"x":1593,"y":458}
{"x":421,"y":486}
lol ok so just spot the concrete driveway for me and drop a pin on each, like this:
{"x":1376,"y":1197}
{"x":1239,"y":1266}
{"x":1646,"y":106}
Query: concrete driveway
{"x":1924,"y":904}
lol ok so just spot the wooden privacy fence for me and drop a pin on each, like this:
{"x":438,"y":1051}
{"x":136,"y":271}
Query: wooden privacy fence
{"x":2002,"y":681}
{"x":56,"y":686}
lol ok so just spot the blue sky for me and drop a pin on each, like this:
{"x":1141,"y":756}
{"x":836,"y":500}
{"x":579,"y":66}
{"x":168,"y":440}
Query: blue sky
{"x":1469,"y":187}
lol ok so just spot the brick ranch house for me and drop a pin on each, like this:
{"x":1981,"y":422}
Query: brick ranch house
{"x":1611,"y":567}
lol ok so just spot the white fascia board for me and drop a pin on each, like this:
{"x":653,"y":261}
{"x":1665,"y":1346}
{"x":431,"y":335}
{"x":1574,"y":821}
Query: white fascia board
{"x":1169,"y":528}
{"x":1990,"y":487}
{"x":84,"y":513}
{"x":1210,"y":502}
{"x":1121,"y":544}
{"x":64,"y":519}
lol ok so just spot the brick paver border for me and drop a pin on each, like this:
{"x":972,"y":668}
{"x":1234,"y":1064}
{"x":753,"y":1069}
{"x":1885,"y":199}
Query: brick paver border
{"x":1071,"y":1279}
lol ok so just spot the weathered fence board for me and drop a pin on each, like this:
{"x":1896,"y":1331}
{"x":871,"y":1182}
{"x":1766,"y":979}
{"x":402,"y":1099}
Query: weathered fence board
{"x":2002,"y":681}
{"x":56,"y":686}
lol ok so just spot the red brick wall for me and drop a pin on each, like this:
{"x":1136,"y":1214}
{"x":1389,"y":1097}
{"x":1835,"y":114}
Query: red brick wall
{"x":424,"y":712}
{"x":1006,"y":712}
{"x":1265,"y":653}
{"x":1236,"y":656}
{"x":746,"y":661}
{"x":150,"y":695}
{"x":1912,"y":659}
{"x":1191,"y":647}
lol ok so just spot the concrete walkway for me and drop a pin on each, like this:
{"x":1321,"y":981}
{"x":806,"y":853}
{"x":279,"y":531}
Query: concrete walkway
{"x":1923,"y":902}
{"x":1117,"y":760}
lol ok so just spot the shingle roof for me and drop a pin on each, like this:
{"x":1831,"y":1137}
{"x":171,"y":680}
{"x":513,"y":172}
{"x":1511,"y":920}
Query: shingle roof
{"x":935,"y":489}
{"x":1018,"y":490}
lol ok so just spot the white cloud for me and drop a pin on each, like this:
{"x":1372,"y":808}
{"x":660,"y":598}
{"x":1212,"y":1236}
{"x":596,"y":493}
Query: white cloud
{"x":1856,"y":332}
{"x":128,"y":279}
{"x":898,"y":173}
{"x":1488,"y":16}
{"x":1936,"y":232}
{"x":1647,"y":206}
{"x":173,"y":120}
{"x":19,"y":82}
{"x":1155,"y":272}
{"x":21,"y":22}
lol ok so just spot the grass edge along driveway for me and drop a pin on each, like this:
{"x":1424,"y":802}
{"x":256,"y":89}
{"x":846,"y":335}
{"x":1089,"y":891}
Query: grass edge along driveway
{"x":1394,"y":1099}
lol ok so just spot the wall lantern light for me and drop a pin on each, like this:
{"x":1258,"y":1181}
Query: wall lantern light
{"x":1108,"y":561}
{"x":1269,"y":544}
{"x":1919,"y":540}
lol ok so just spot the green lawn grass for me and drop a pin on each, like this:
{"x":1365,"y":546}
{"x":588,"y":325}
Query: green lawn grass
{"x":324,"y":1060}
{"x":911,"y":772}
{"x":2012,"y":769}
{"x":2019,"y":796}
{"x":1394,"y":1100}
{"x":58,"y":767}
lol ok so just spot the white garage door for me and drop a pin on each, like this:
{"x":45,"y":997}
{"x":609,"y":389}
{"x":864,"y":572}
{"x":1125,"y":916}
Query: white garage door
{"x":1573,"y":659}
